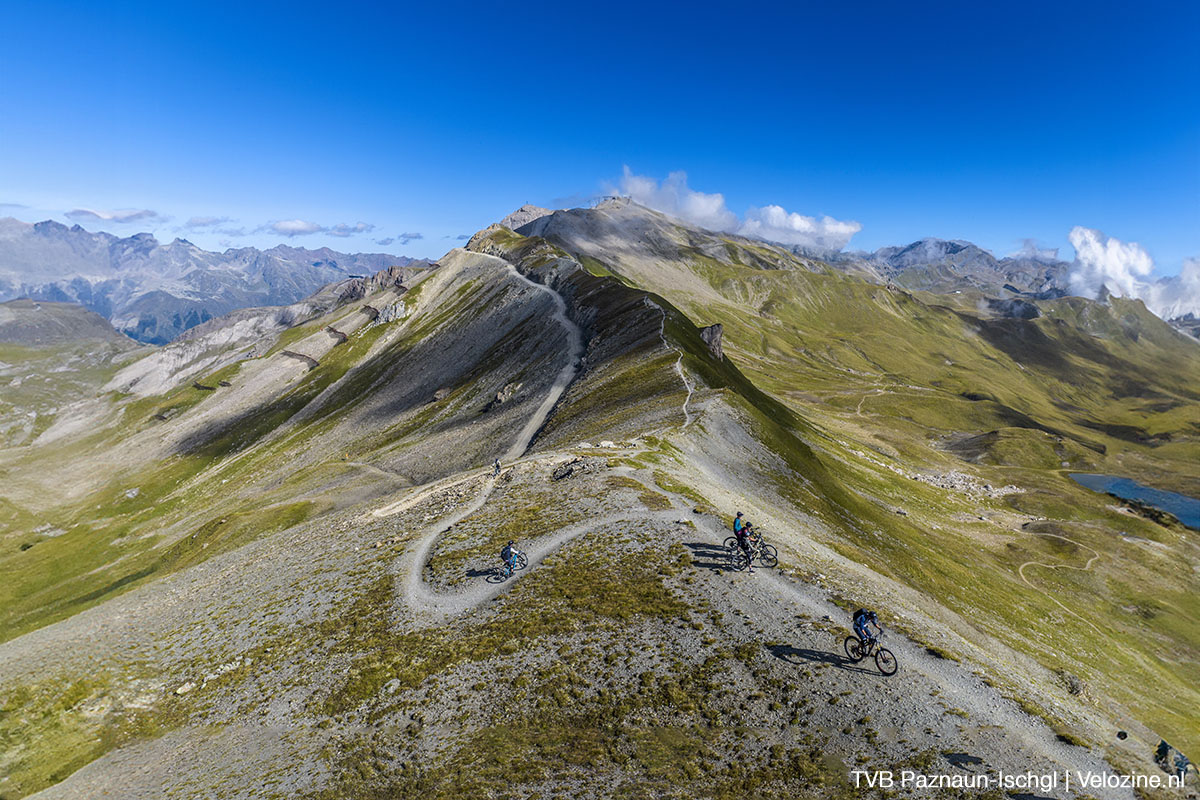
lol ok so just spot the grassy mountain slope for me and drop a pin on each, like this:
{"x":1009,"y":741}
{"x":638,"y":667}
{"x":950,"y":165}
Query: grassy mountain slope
{"x":896,"y":385}
{"x":267,"y":574}
{"x":264,"y":446}
{"x":51,"y":356}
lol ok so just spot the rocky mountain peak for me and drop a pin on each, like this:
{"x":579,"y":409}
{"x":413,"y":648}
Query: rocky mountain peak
{"x":524,"y":215}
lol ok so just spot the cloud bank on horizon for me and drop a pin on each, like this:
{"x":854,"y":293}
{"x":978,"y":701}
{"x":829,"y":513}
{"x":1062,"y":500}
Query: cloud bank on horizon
{"x":708,"y":210}
{"x":1031,"y":249}
{"x":1124,"y":269}
{"x":116,"y":215}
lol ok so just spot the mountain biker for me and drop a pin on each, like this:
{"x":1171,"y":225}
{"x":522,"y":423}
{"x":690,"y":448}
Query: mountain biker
{"x":1162,"y":753}
{"x":508,"y":555}
{"x":1181,"y":765}
{"x":862,"y":619}
{"x":738,"y":523}
{"x":745,"y":535}
{"x":496,"y":470}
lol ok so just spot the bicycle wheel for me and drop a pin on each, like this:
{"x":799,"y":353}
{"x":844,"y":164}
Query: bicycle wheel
{"x":886,"y":661}
{"x":497,"y":576}
{"x":730,"y":543}
{"x":520,"y":561}
{"x":853,"y":648}
{"x":769,"y":556}
{"x":738,"y":560}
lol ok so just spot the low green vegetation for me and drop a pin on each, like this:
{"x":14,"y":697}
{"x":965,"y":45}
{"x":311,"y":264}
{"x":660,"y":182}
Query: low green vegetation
{"x":51,"y":728}
{"x":579,"y":588}
{"x":570,"y":718}
{"x":155,"y":518}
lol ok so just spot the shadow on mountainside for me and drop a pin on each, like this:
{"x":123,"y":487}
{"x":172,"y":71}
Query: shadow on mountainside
{"x":806,"y":655}
{"x":963,"y":760}
{"x":706,"y":555}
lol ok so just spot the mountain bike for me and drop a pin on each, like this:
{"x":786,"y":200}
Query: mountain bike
{"x":765,"y":554}
{"x":857,"y":650}
{"x":505,"y":571}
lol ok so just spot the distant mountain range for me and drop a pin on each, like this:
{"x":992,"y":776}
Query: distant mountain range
{"x":942,"y":266}
{"x":152,"y":291}
{"x":933,"y":265}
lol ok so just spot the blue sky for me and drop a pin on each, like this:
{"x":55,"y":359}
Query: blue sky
{"x":993,"y":123}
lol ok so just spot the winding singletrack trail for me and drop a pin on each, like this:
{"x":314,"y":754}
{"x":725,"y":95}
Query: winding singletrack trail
{"x":1085,"y":568}
{"x":565,"y":376}
{"x":662,"y":332}
{"x":412,"y":566}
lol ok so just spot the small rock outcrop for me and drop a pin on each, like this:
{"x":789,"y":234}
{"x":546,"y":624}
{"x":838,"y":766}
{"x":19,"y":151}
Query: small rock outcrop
{"x":503,"y":396}
{"x":1013,"y":308}
{"x":390,"y":313}
{"x":524,"y":215}
{"x":712,"y":337}
{"x":577,"y":466}
{"x":312,"y":362}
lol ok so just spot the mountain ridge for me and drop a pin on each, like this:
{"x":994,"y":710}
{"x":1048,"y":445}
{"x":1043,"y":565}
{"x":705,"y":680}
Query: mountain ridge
{"x":275,"y":537}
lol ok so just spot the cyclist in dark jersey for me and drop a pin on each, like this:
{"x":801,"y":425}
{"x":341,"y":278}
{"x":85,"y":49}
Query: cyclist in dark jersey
{"x":864,"y":618}
{"x":744,"y":535}
{"x":507,"y":555}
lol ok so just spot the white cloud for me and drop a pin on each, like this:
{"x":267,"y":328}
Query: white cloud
{"x":1178,"y":295}
{"x":114,"y":215}
{"x":674,"y":197}
{"x":343,"y":229}
{"x":205,"y":222}
{"x":1030,"y":249}
{"x":777,"y":225}
{"x":293,"y":227}
{"x":1106,"y":261}
{"x":708,"y":210}
{"x":1125,"y":268}
{"x":405,"y":238}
